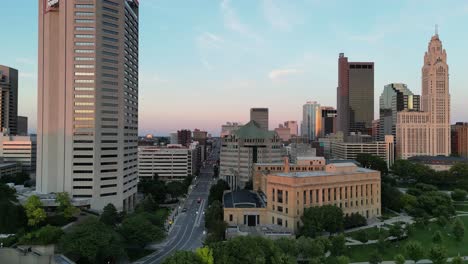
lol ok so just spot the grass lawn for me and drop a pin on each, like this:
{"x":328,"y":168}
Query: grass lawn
{"x":461,"y":207}
{"x":372,"y":233}
{"x":423,"y":235}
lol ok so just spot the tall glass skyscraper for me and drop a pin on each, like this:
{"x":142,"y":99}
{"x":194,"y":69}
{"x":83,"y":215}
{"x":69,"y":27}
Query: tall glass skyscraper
{"x":311,"y":120}
{"x":88,"y":100}
{"x":395,"y":97}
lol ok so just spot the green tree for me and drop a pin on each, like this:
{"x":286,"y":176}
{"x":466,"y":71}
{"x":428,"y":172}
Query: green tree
{"x":332,"y":218}
{"x":287,"y":246}
{"x":382,"y":245}
{"x":459,"y":195}
{"x":414,"y":250}
{"x":176,"y":189}
{"x":217,"y":191}
{"x":391,"y":197}
{"x":362,"y":236}
{"x":12,"y":217}
{"x":183,"y":257}
{"x":396,"y":230}
{"x":437,"y":237}
{"x":92,"y":241}
{"x":343,"y":260}
{"x":338,"y":246}
{"x":324,"y":218}
{"x":458,"y":229}
{"x":44,"y":236}
{"x":399,"y":259}
{"x":148,"y":204}
{"x":65,"y":205}
{"x":375,"y":258}
{"x":205,"y":254}
{"x":457,"y":260}
{"x":372,"y":162}
{"x":137,"y":230}
{"x":155,"y":187}
{"x":354,"y":220}
{"x":34,"y":211}
{"x":438,"y":255}
{"x":109,"y":215}
{"x":7,"y":193}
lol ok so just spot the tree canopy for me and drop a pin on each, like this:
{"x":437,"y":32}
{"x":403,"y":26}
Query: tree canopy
{"x":109,"y":215}
{"x":34,"y":211}
{"x":323,"y":218}
{"x":139,"y":231}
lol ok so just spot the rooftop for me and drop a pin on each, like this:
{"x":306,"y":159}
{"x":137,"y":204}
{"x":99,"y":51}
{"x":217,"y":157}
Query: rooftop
{"x":252,"y":130}
{"x":305,"y":174}
{"x":242,"y":199}
{"x":438,"y":159}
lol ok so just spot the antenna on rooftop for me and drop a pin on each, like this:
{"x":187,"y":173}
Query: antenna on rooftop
{"x":437,"y":30}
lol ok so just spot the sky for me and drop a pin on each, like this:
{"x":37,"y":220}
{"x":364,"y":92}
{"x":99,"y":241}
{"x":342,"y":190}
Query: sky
{"x":206,"y":62}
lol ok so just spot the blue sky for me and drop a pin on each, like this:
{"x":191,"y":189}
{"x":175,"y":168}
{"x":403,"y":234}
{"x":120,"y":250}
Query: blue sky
{"x":205,"y":62}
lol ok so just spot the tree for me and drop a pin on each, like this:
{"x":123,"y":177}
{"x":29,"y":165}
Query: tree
{"x":205,"y":254}
{"x":438,"y":255}
{"x":458,"y":229}
{"x":333,"y":218}
{"x":459,"y":195}
{"x":396,"y":230}
{"x":437,"y":237}
{"x":399,"y":259}
{"x":342,"y":260}
{"x":65,"y":206}
{"x":139,"y":231}
{"x":183,"y":257}
{"x":391,"y":197}
{"x":287,"y":246}
{"x":44,"y":236}
{"x":34,"y":210}
{"x":354,"y":220}
{"x":372,"y":162}
{"x":382,"y":244}
{"x":176,"y":189}
{"x":338,"y":246}
{"x":217,"y":191}
{"x":375,"y":258}
{"x":7,"y":193}
{"x":362,"y":236}
{"x":324,"y":218}
{"x":12,"y":217}
{"x":414,"y":250}
{"x":109,"y":215}
{"x":155,"y":187}
{"x":92,"y":241}
{"x":457,"y":260}
{"x":148,"y":204}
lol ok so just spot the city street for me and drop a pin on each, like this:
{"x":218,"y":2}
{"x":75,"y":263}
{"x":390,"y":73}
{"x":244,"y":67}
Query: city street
{"x":187,"y":232}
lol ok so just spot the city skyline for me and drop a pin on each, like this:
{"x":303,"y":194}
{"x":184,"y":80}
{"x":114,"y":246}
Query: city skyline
{"x":247,"y":50}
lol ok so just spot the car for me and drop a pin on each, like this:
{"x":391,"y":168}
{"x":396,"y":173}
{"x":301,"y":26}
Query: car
{"x":199,"y":200}
{"x":184,"y":210}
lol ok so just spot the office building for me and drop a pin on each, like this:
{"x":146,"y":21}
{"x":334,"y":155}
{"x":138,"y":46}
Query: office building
{"x":260,"y":116}
{"x":396,"y":97}
{"x":460,"y":139}
{"x":22,"y":128}
{"x":9,"y":169}
{"x":328,"y":121}
{"x":427,"y":133}
{"x":201,"y":137}
{"x":355,"y":96}
{"x":88,"y":101}
{"x":172,"y":163}
{"x":327,"y":141}
{"x":21,"y":150}
{"x":350,"y":151}
{"x":184,"y":137}
{"x":296,"y":151}
{"x":174,"y":138}
{"x":244,"y":147}
{"x":229,"y":127}
{"x":292,"y":125}
{"x":8,"y":99}
{"x":286,"y":190}
{"x":283,"y":132}
{"x":311,"y":120}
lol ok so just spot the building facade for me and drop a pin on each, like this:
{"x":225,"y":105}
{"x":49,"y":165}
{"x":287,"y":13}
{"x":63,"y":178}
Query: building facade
{"x":428,"y":132}
{"x":311,"y":120}
{"x":292,"y":125}
{"x":184,"y":137}
{"x":260,"y":116}
{"x":283,"y":132}
{"x":350,"y":151}
{"x":355,"y":96}
{"x":173,"y":163}
{"x":245,"y":147}
{"x":229,"y":127}
{"x":88,"y":100}
{"x":396,"y":97}
{"x":22,"y":126}
{"x":460,"y":139}
{"x":328,"y":121}
{"x":21,"y":150}
{"x":8,"y":99}
{"x":286,"y":190}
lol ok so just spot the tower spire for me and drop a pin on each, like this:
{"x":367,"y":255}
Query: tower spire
{"x":437,"y":30}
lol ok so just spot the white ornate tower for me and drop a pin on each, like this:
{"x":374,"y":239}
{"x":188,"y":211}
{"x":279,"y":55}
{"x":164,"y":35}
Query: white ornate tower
{"x":436,"y":97}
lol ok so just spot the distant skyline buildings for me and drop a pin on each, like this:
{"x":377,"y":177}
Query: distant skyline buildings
{"x":8,"y":99}
{"x":260,"y":116}
{"x":311,"y":120}
{"x":355,"y":96}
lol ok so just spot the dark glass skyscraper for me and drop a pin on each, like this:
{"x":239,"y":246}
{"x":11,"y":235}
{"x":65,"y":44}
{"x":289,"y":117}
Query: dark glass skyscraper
{"x":355,"y":96}
{"x":396,"y":97}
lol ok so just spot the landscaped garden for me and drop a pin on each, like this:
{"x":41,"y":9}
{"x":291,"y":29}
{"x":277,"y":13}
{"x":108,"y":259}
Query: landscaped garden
{"x":420,"y":233}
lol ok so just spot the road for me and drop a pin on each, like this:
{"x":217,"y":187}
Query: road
{"x":187,"y":232}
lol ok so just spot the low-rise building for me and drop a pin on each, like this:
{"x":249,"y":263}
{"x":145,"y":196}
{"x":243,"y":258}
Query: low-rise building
{"x":171,"y":163}
{"x":20,"y":150}
{"x":438,"y":163}
{"x":9,"y":169}
{"x":288,"y":189}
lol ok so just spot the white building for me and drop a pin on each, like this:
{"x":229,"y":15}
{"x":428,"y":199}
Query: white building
{"x":172,"y":163}
{"x":245,"y":147}
{"x":311,"y":120}
{"x":88,"y":101}
{"x":229,"y":127}
{"x":20,"y":150}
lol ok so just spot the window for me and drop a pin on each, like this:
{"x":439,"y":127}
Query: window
{"x":280,"y":209}
{"x":84,"y":6}
{"x":84,"y":43}
{"x":84,"y":73}
{"x":84,"y":21}
{"x":84,"y":58}
{"x":279,"y":221}
{"x":83,"y":36}
{"x":84,"y":28}
{"x":84,"y":81}
{"x":84,"y":14}
{"x":230,"y":217}
{"x":84,"y":66}
{"x":84,"y":51}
